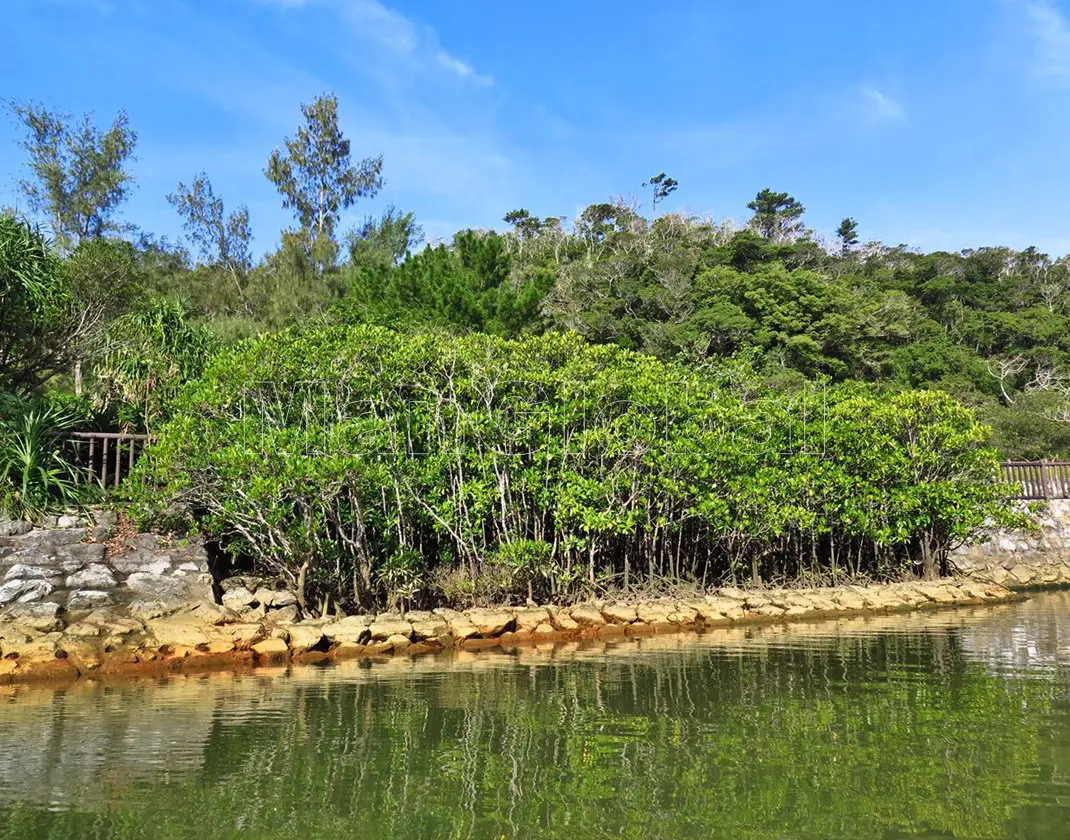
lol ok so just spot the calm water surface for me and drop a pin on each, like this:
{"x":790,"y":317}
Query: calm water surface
{"x":950,"y":724}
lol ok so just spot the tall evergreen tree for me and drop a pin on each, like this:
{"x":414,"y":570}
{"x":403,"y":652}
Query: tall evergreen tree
{"x":317,"y":178}
{"x":79,"y":175}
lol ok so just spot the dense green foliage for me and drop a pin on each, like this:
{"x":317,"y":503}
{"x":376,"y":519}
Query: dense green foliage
{"x":779,"y":318}
{"x":35,"y":472}
{"x":364,"y":468}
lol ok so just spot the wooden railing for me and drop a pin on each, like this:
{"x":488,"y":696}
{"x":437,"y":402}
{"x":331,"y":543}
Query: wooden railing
{"x":108,"y":456}
{"x":1039,"y":479}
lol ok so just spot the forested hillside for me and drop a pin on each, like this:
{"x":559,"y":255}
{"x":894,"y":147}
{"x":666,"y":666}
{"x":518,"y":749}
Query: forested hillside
{"x":119,"y":317}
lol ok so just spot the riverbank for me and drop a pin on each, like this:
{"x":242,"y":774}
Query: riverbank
{"x":38,"y":644}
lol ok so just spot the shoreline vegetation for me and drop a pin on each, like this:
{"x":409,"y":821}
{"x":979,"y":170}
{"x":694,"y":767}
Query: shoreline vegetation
{"x":370,"y":471}
{"x":542,"y":414}
{"x":121,"y":642}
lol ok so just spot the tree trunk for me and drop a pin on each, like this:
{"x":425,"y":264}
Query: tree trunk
{"x":928,"y":560}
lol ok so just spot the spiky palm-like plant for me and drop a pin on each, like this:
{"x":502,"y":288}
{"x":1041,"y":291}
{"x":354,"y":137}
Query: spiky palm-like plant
{"x":35,"y":477}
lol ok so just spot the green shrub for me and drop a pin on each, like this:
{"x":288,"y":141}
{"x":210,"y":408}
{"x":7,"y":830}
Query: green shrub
{"x":35,"y":473}
{"x":371,"y":469}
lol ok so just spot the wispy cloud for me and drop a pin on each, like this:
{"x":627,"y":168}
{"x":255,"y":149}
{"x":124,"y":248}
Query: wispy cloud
{"x":1049,"y":31}
{"x":393,"y":31}
{"x":460,"y":68}
{"x":374,"y":20}
{"x":881,"y":107}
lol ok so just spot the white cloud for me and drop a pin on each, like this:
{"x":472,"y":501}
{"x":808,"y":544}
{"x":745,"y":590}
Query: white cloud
{"x":1049,"y":32}
{"x":374,"y":20}
{"x":396,"y":33}
{"x":460,"y":68}
{"x":882,"y":107}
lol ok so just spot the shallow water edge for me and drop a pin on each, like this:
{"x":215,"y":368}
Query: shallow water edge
{"x":114,"y":642}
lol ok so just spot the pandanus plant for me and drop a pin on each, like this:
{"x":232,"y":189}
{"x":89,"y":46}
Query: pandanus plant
{"x":35,"y":477}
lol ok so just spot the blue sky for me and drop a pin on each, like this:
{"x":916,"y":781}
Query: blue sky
{"x":937,"y":123}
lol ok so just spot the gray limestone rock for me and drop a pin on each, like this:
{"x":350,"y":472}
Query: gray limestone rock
{"x":14,"y":527}
{"x":82,"y":552}
{"x":165,"y":588}
{"x":148,"y":610}
{"x":145,"y":562}
{"x":145,"y":541}
{"x":95,"y":576}
{"x":239,"y":598}
{"x":25,"y":572}
{"x":89,"y":599}
{"x":23,"y":591}
{"x":44,"y":618}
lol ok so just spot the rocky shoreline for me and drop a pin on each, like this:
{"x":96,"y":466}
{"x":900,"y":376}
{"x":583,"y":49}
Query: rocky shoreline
{"x":39,"y":644}
{"x":78,"y":599}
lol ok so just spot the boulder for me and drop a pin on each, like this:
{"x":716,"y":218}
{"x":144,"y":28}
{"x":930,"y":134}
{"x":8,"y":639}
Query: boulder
{"x":282,"y":598}
{"x":563,"y":622}
{"x":144,"y":562}
{"x":176,"y":634}
{"x":586,"y":617}
{"x":70,"y":521}
{"x":1022,"y":574}
{"x":721,"y":605}
{"x":271,"y":650}
{"x":14,"y":527}
{"x":239,"y":598}
{"x":654,"y":613}
{"x":528,"y":618}
{"x":305,"y":638}
{"x":146,"y":610}
{"x":209,"y":612}
{"x":936,"y":593}
{"x":849,"y":600}
{"x":708,"y":614}
{"x":398,"y":642}
{"x":43,"y":618}
{"x":733,"y":593}
{"x":281,"y":616}
{"x":150,"y":542}
{"x":352,"y":629}
{"x":81,"y":553}
{"x":619,"y":614}
{"x":22,"y":571}
{"x":491,"y":623}
{"x":24,"y":591}
{"x":427,"y":626}
{"x":168,"y":588}
{"x":245,"y":634}
{"x":94,"y":576}
{"x":384,"y":628}
{"x":88,"y":599}
{"x":461,"y":628}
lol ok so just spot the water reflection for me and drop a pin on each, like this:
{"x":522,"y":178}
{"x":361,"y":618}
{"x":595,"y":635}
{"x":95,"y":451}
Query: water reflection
{"x":948,"y":723}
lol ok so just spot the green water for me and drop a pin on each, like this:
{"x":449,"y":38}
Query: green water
{"x":949,"y":724}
